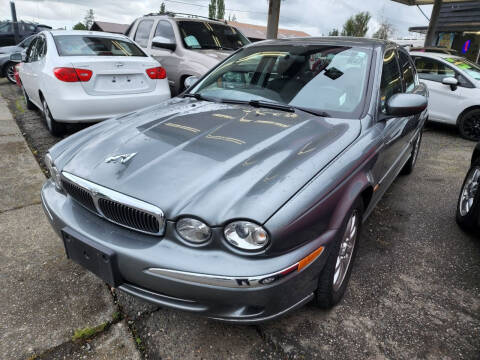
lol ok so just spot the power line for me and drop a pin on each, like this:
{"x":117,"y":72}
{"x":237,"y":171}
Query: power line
{"x":426,"y":17}
{"x":206,"y":6}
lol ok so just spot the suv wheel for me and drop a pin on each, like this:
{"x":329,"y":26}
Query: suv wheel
{"x":333,"y":280}
{"x":468,"y":207}
{"x":54,"y":127}
{"x":469,"y":125}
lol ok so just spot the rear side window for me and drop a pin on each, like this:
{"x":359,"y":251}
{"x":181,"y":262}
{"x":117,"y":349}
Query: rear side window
{"x":433,"y":70}
{"x":143,"y":32}
{"x":408,"y":72}
{"x":391,"y":83}
{"x":164,"y":29}
{"x":78,"y":45}
{"x":32,"y":51}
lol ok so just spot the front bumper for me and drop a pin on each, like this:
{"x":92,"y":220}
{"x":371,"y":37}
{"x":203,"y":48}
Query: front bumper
{"x":138,"y":255}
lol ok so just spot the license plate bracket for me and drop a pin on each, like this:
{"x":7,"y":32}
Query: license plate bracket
{"x":94,"y":257}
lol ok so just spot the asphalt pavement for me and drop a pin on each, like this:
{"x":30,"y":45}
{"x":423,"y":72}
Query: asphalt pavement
{"x":414,"y":290}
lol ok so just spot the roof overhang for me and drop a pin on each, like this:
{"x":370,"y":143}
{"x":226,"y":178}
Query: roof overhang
{"x":424,"y":2}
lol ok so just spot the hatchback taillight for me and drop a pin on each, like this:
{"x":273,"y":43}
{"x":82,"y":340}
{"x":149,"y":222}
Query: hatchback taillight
{"x":68,"y":74}
{"x":157,"y":73}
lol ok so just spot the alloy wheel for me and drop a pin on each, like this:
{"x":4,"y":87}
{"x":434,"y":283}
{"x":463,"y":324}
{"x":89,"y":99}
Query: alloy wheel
{"x":345,"y":253}
{"x":469,"y":191}
{"x":471,"y":126}
{"x":10,"y":72}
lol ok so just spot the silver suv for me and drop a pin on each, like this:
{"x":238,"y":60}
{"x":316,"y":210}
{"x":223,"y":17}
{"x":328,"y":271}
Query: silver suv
{"x":185,"y":45}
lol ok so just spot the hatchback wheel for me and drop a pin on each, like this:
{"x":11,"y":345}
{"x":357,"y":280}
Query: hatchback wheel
{"x":468,"y":208}
{"x":10,"y":72}
{"x":336,"y":273}
{"x":56,"y":128}
{"x":469,"y":125}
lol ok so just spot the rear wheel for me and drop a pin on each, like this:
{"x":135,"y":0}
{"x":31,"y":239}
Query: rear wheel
{"x":468,"y":207}
{"x":469,"y":125}
{"x":10,"y":72}
{"x":56,"y":128}
{"x":333,"y":280}
{"x":30,"y":105}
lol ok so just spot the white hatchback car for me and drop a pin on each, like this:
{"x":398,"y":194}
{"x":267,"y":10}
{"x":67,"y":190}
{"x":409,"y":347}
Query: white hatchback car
{"x":454,"y":86}
{"x":87,"y":76}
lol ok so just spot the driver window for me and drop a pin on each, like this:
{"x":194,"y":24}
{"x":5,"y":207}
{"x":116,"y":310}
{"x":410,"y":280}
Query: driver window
{"x":165,"y":30}
{"x":391,"y":82}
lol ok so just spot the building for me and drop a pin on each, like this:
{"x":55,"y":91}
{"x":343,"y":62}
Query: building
{"x":109,"y":27}
{"x":457,"y":26}
{"x":258,"y":32}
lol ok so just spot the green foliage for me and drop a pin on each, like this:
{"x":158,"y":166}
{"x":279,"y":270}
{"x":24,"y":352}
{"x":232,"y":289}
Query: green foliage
{"x":212,"y":9}
{"x":220,"y":9}
{"x":384,"y":31}
{"x":79,"y":26}
{"x":163,"y":9}
{"x":86,"y":333}
{"x":334,"y":32}
{"x":357,"y":25}
{"x":89,"y":19}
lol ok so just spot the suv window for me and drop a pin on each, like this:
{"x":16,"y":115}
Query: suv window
{"x":433,"y":70}
{"x":165,"y":29}
{"x":209,"y":35}
{"x":6,"y":27}
{"x":408,"y":71}
{"x":143,"y":32}
{"x":391,"y":83}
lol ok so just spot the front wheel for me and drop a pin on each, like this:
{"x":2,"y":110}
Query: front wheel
{"x":333,"y":280}
{"x":10,"y":72}
{"x":468,"y":207}
{"x":469,"y":125}
{"x":54,"y":127}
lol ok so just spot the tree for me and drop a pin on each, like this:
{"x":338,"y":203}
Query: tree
{"x":89,"y":19}
{"x":162,"y":9}
{"x":212,"y":9}
{"x":357,"y":25}
{"x":79,"y":26}
{"x":334,"y":32}
{"x":384,"y":31}
{"x":220,"y":9}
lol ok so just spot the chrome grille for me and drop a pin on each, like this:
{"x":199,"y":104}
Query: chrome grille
{"x":80,"y":194}
{"x":114,"y":206}
{"x":129,"y":216}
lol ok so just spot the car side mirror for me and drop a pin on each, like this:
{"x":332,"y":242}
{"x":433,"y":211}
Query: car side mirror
{"x":17,"y":57}
{"x":453,"y":82}
{"x":406,"y":105}
{"x":164,"y":43}
{"x":190,"y":81}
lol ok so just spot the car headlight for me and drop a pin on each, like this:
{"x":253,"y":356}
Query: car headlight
{"x":193,"y":230}
{"x":246,"y":235}
{"x":54,"y":173}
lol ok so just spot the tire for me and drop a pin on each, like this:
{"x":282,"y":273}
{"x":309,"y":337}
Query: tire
{"x":54,"y":127}
{"x":332,"y":284}
{"x":410,"y":164}
{"x":30,"y":105}
{"x":9,"y":71}
{"x":468,"y":206}
{"x":469,"y":125}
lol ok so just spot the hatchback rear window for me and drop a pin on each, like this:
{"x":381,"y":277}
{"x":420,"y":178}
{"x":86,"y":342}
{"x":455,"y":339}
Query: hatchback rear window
{"x":81,"y":45}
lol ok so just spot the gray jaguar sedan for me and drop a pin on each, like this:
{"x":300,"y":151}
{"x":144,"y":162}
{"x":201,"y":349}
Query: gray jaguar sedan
{"x":243,"y":198}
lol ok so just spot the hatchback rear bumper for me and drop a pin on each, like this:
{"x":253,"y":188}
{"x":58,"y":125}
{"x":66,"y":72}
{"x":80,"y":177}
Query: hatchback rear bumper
{"x":138,"y":255}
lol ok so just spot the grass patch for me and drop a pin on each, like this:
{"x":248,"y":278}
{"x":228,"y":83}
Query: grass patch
{"x":19,"y":105}
{"x":86,"y":333}
{"x":117,"y":316}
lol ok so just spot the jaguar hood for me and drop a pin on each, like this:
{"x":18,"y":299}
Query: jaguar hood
{"x":214,"y":161}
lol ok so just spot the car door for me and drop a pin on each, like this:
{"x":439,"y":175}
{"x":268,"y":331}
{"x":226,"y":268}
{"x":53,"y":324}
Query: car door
{"x":393,"y":129}
{"x":166,"y":57}
{"x":444,"y":101}
{"x":26,"y":74}
{"x":36,"y":65}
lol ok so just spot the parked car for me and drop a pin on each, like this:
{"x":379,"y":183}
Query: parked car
{"x":185,"y":46}
{"x":86,"y":76}
{"x":7,"y":67}
{"x":454,"y":85}
{"x":435,"y":49}
{"x":25,"y":29}
{"x":468,"y":208}
{"x":243,"y":198}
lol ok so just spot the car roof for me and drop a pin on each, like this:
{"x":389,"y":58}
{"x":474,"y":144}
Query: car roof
{"x":182,"y":17}
{"x":435,"y":55}
{"x":329,"y":40}
{"x":85,"y":32}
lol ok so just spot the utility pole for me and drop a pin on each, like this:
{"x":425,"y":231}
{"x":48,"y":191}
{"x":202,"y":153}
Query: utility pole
{"x":273,"y":17}
{"x":16,"y":34}
{"x":430,"y":38}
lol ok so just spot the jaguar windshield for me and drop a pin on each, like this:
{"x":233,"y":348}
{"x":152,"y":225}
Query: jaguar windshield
{"x":328,"y":79}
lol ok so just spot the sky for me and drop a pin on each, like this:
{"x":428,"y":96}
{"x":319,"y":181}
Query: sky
{"x":315,"y":17}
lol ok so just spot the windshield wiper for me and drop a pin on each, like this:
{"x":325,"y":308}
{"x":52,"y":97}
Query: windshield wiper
{"x":271,"y":105}
{"x":198,"y":97}
{"x":313,"y":111}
